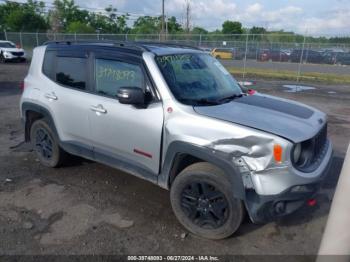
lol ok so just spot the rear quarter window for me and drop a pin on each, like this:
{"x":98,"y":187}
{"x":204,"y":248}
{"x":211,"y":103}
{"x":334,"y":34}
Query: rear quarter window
{"x":66,"y":68}
{"x":49,"y":64}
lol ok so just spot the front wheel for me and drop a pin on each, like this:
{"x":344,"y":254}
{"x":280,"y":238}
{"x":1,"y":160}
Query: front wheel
{"x":202,"y":199}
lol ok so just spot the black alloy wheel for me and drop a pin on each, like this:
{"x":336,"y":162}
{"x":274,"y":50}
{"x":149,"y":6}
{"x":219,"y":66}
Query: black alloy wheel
{"x":43,"y":143}
{"x":205,"y":205}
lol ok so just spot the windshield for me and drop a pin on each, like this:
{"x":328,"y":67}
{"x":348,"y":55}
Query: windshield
{"x":198,"y":79}
{"x":7,"y":45}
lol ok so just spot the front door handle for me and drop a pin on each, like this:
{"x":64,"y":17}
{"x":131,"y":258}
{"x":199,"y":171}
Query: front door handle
{"x":51,"y":96}
{"x":98,"y":109}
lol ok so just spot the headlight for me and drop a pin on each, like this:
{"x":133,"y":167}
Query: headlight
{"x":7,"y":53}
{"x":302,"y":154}
{"x":297,"y":153}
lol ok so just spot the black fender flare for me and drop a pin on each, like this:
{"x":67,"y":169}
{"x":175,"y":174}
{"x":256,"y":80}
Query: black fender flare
{"x":212,"y":156}
{"x":28,"y":106}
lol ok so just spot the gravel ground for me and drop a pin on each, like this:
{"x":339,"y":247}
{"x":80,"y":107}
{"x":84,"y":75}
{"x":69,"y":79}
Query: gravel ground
{"x":89,"y":208}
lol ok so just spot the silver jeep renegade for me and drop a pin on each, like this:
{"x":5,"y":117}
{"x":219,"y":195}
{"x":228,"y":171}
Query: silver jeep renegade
{"x":174,"y":116}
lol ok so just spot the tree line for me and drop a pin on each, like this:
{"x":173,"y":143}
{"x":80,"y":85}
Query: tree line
{"x":64,"y":16}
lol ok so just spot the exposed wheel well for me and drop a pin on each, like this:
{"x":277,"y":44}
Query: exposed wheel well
{"x":31,"y":117}
{"x":180,"y":163}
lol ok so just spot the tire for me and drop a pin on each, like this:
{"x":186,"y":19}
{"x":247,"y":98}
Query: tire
{"x":216,"y":215}
{"x":2,"y":59}
{"x":45,"y":144}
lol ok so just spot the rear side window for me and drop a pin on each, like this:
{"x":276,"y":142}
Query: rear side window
{"x":111,"y":75}
{"x":72,"y":72}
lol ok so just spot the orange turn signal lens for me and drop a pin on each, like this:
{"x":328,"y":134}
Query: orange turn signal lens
{"x":277,"y":153}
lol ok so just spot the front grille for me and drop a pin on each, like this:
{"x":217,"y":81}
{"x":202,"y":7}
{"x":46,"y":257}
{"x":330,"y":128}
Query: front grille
{"x":17,"y":53}
{"x":319,"y":143}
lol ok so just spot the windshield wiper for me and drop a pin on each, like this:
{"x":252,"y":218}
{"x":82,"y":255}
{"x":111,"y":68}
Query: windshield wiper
{"x":205,"y":101}
{"x":202,"y":101}
{"x":230,"y":98}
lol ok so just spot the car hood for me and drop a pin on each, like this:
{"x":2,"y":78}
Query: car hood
{"x":282,"y":117}
{"x":12,"y":49}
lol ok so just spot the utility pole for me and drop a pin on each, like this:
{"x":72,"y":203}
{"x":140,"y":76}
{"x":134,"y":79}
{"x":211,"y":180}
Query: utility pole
{"x":163,"y":17}
{"x":188,"y":15}
{"x":166,"y":29}
{"x":301,"y":59}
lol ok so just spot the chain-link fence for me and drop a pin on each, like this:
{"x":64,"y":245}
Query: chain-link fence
{"x":247,"y":55}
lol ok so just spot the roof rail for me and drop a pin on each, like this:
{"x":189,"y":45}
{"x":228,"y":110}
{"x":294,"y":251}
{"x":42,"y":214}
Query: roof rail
{"x":143,"y":45}
{"x":171,"y":44}
{"x":137,"y":44}
{"x":125,"y":44}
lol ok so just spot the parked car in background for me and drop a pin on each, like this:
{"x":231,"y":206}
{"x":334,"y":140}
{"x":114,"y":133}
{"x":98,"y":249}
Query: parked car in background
{"x":239,"y":53}
{"x":343,"y":59}
{"x":287,"y":51}
{"x":308,"y":56}
{"x":273,"y":55}
{"x":339,"y":58}
{"x":223,"y":53}
{"x":10,"y":52}
{"x":296,"y":54}
{"x":315,"y":57}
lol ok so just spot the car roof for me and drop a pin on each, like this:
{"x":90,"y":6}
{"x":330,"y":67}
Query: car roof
{"x":136,"y":48}
{"x":224,"y":48}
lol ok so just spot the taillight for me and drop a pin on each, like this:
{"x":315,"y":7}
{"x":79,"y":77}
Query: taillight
{"x":21,"y":86}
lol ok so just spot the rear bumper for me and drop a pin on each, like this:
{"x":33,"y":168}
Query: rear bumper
{"x":266,"y":208}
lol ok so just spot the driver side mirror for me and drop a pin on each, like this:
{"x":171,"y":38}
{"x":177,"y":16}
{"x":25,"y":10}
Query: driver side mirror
{"x":131,"y":96}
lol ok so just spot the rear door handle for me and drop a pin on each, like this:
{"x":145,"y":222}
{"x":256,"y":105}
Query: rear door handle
{"x":98,"y":109}
{"x":51,"y":96}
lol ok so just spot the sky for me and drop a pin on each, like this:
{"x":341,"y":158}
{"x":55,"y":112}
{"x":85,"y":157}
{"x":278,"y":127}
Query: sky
{"x":314,"y":17}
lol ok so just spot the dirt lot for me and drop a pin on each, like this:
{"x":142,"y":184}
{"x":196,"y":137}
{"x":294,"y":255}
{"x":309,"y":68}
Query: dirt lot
{"x":88,"y":208}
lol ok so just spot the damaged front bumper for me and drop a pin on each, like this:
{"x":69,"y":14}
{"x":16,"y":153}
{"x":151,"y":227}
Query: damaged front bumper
{"x":263,"y":208}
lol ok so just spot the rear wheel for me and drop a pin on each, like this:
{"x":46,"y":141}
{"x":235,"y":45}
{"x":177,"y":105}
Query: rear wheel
{"x":45,"y":144}
{"x":203,"y":201}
